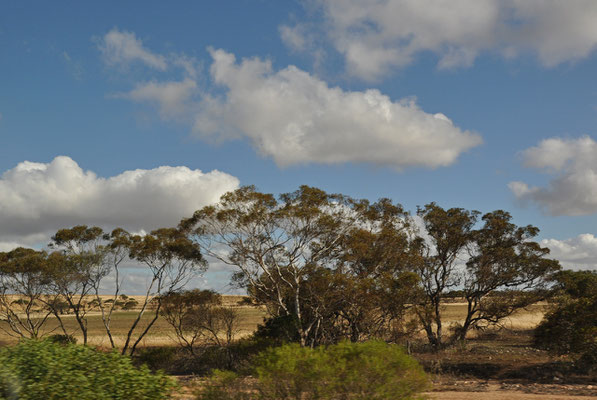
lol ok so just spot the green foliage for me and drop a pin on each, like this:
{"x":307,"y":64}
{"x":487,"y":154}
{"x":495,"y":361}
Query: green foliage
{"x":278,"y":329}
{"x":571,"y":326}
{"x":370,"y":370}
{"x":157,"y":358}
{"x":47,"y":370}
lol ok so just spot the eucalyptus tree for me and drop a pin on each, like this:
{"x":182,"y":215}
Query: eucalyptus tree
{"x":275,"y":244}
{"x":374,"y":276}
{"x":198,"y":318}
{"x":115,"y":250}
{"x":506,"y":271}
{"x":441,"y":249}
{"x":23,"y":286}
{"x":89,"y":256}
{"x":83,"y":267}
{"x":497,"y":266}
{"x":171,"y":260}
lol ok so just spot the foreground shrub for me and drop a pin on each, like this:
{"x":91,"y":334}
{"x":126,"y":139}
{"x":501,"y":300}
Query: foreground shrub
{"x":372,"y":370}
{"x":48,"y":370}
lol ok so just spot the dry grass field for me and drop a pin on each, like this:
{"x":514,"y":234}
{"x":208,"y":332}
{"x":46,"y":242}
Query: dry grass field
{"x":161,"y":333}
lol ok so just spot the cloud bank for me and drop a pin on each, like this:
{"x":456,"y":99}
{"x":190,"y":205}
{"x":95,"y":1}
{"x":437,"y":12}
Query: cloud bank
{"x":572,"y":163}
{"x":296,"y":118}
{"x":375,"y":37}
{"x":36,"y":199}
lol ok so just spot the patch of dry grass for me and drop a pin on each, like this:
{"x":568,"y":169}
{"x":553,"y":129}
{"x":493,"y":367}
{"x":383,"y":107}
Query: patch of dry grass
{"x":161,"y":334}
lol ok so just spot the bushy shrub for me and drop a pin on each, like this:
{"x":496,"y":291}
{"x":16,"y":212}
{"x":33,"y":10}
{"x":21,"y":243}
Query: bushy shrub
{"x":372,"y":370}
{"x":571,"y":326}
{"x":158,"y":358}
{"x":48,"y":370}
{"x":62,"y":339}
{"x":178,"y":361}
{"x":279,"y":330}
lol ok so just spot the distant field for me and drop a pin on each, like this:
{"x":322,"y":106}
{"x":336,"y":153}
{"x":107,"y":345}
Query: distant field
{"x":161,"y":334}
{"x":522,"y":319}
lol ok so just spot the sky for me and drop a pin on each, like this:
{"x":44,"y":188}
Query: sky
{"x":135,"y":114}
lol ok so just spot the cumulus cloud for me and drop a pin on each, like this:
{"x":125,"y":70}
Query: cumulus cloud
{"x":296,"y":118}
{"x":377,"y":36}
{"x":120,"y":48}
{"x":577,"y":253}
{"x":36,"y":199}
{"x":573,"y":165}
{"x":289,"y":114}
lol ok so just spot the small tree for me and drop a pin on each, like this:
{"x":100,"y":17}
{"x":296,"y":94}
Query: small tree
{"x":186,"y":312}
{"x":172,"y":260}
{"x":83,"y":266}
{"x":24,"y":284}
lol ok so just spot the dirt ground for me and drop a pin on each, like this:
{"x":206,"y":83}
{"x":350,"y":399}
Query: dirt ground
{"x":498,"y":390}
{"x":502,"y":395}
{"x":472,"y":390}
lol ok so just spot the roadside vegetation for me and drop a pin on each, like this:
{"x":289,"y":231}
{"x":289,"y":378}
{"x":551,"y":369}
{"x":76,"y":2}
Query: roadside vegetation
{"x":327,"y":277}
{"x":48,"y":370}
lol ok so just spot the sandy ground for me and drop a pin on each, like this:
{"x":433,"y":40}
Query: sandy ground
{"x":496,"y":390}
{"x":502,"y":395}
{"x":468,"y":390}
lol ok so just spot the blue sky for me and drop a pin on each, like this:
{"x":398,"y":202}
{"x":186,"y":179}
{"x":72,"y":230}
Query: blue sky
{"x":476,"y":104}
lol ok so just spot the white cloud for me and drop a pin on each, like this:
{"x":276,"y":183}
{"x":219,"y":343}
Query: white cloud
{"x":576,"y":253}
{"x":573,"y":188}
{"x":172,"y":98}
{"x":122,"y":48}
{"x":294,"y":37}
{"x":296,"y":118}
{"x":377,"y":36}
{"x":37,"y":199}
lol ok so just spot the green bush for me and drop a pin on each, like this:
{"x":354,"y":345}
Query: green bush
{"x":48,"y":370}
{"x":570,"y":327}
{"x":372,"y":370}
{"x":158,"y":358}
